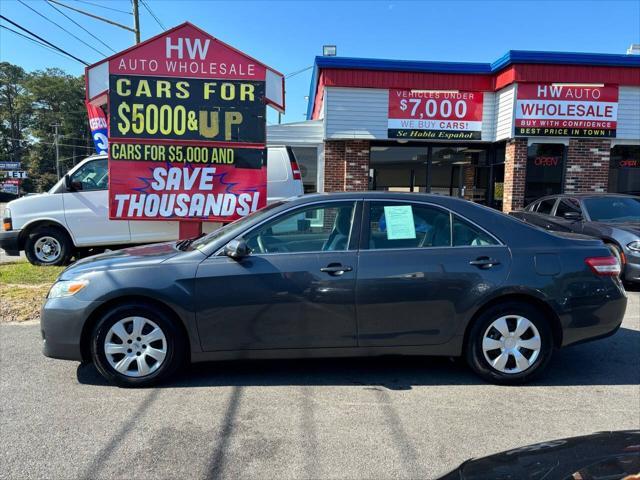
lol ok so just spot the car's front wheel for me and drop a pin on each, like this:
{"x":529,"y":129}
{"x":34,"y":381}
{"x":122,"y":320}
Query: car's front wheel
{"x":136,"y":345}
{"x":510,"y":343}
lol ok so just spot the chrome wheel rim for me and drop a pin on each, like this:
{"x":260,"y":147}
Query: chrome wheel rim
{"x":511,"y":344}
{"x":47,"y":249}
{"x":135,"y":346}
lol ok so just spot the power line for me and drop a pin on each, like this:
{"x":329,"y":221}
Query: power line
{"x":111,"y":22}
{"x":72,"y":20}
{"x":53,"y":143}
{"x":102,"y":6}
{"x":42,"y":39}
{"x":144,"y":4}
{"x":293,"y":74}
{"x":43,"y":45}
{"x":61,"y":27}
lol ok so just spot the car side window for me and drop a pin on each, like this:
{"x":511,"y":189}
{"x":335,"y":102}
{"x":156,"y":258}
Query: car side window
{"x":404,"y":225}
{"x":546,"y":206}
{"x":92,"y":175}
{"x":568,"y":205}
{"x":317,"y":228}
{"x":466,"y":234}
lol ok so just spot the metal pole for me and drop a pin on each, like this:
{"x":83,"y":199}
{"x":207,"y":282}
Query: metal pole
{"x":136,"y":20}
{"x":55,"y":126}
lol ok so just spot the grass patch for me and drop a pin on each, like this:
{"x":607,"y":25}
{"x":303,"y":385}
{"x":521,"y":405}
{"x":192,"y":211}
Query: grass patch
{"x":23,"y":288}
{"x":23,"y":273}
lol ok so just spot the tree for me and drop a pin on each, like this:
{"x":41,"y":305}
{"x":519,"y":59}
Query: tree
{"x":15,"y":112}
{"x":56,"y":98}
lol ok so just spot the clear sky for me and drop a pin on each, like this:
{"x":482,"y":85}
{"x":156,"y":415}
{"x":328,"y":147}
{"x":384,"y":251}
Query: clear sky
{"x":287,"y":35}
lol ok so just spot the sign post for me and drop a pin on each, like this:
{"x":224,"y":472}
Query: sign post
{"x":187,"y":129}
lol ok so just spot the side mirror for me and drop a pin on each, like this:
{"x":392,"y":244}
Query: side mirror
{"x":71,"y":185}
{"x":574,"y":216}
{"x":237,"y":249}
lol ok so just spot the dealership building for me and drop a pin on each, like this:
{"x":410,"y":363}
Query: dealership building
{"x":501,"y":134}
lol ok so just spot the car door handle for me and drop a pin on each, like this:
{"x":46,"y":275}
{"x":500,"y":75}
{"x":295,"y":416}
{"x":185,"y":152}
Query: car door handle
{"x":484,"y":262}
{"x":336,"y":269}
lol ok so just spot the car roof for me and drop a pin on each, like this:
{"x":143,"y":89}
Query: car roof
{"x":581,"y":196}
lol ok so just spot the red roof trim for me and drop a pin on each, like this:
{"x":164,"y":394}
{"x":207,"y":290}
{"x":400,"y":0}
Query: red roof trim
{"x":355,"y":78}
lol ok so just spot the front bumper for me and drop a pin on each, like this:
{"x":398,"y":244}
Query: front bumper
{"x":62,"y":321}
{"x":10,"y":242}
{"x":631,"y":270}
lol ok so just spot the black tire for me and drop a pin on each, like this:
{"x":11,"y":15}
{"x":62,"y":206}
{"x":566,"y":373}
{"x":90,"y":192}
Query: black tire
{"x":475,"y":355}
{"x":57,"y":237}
{"x":175,"y":345}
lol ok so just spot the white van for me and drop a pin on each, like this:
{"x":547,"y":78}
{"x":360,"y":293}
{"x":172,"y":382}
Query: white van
{"x":54,"y":226}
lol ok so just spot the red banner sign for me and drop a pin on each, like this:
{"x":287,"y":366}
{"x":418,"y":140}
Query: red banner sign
{"x":433,"y":114}
{"x":546,"y":109}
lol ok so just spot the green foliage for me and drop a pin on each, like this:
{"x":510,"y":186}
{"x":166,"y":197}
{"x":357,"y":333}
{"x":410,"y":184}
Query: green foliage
{"x":30,"y":103}
{"x":23,"y":273}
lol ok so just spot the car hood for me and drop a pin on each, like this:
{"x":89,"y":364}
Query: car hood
{"x":631,"y":227}
{"x":126,"y":258}
{"x":604,"y":454}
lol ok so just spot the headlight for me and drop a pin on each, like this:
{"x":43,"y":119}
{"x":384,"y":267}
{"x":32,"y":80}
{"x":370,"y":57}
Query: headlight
{"x":635,"y":246}
{"x":6,"y":220}
{"x":67,"y":288}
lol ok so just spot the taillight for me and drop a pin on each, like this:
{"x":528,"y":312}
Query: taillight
{"x":608,"y":266}
{"x":297,"y":175}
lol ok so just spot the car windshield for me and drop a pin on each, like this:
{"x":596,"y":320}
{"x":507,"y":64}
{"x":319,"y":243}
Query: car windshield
{"x":233,"y":226}
{"x":613,"y":209}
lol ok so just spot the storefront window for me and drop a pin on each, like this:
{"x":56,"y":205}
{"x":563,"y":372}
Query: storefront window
{"x":545,"y":168}
{"x":398,"y":168}
{"x":624,"y":171}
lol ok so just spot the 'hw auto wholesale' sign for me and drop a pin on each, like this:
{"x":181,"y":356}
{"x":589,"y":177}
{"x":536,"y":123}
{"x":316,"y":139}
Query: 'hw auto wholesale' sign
{"x":187,"y":126}
{"x":565,"y":110}
{"x":435,"y":115}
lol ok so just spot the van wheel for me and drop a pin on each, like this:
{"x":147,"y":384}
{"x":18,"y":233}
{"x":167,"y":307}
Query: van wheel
{"x":48,"y":246}
{"x":510,"y":343}
{"x":137,"y":345}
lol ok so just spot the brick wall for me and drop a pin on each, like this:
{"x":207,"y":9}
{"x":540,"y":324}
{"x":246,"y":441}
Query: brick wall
{"x":515,"y":171}
{"x":346,"y":165}
{"x":587,"y":166}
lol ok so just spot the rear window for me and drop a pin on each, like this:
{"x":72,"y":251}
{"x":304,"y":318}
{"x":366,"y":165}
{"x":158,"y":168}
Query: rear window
{"x":277,"y":166}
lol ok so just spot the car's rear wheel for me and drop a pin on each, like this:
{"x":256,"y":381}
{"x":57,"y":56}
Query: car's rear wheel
{"x":48,"y":246}
{"x":136,"y":345}
{"x":510,"y":343}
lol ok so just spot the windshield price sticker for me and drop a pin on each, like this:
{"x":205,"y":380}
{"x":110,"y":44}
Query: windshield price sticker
{"x":434,"y":114}
{"x":187,"y":109}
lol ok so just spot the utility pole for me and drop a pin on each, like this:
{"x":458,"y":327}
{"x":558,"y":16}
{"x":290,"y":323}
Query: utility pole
{"x":136,"y":20}
{"x":56,"y":125}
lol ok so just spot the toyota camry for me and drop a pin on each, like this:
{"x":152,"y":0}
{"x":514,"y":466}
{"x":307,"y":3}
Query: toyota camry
{"x":337,"y":275}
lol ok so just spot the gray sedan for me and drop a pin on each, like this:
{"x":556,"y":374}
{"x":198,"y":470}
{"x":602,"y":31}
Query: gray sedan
{"x":613,"y":218}
{"x":348,"y":274}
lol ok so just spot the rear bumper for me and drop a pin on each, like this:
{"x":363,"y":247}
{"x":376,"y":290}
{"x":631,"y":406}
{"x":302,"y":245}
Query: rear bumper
{"x":596,"y":316}
{"x":62,"y":321}
{"x":10,"y":242}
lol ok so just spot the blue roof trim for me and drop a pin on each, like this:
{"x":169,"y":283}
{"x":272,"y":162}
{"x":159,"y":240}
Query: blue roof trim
{"x":402,"y":65}
{"x":510,"y":58}
{"x":566,"y":58}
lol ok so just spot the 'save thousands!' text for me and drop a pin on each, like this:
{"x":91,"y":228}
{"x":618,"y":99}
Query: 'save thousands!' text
{"x":165,"y":196}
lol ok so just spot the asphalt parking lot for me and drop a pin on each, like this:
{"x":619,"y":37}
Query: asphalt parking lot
{"x":354,"y":418}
